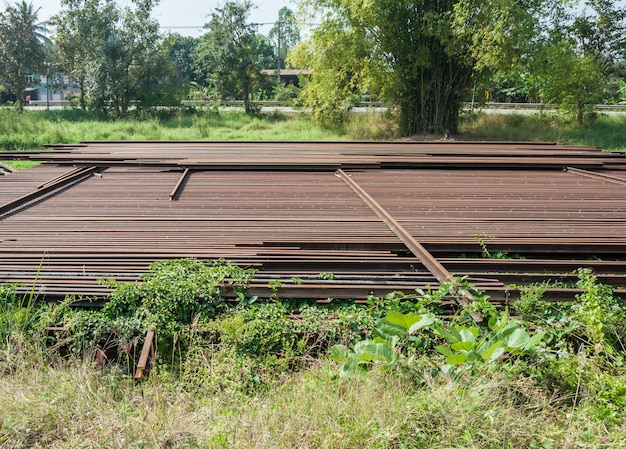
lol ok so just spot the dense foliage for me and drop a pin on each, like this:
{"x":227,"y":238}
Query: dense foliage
{"x":21,"y":50}
{"x":424,"y":60}
{"x":421,"y":57}
{"x":558,"y":364}
{"x":115,"y":54}
{"x":232,"y":54}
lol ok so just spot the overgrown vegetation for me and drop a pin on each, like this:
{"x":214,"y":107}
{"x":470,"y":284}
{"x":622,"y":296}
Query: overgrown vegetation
{"x":605,"y":131}
{"x":237,"y":371}
{"x":32,"y":129}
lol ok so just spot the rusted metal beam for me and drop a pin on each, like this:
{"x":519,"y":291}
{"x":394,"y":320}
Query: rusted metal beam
{"x":463,"y":296}
{"x":277,"y":207}
{"x":6,"y":168}
{"x":599,"y":176}
{"x":47,"y":188}
{"x":178,"y":187}
{"x":146,"y":352}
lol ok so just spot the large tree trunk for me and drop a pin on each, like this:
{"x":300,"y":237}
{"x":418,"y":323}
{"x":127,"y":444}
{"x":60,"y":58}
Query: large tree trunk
{"x":20,"y":89}
{"x":246,"y":97}
{"x":82,"y":85}
{"x":431,"y":99}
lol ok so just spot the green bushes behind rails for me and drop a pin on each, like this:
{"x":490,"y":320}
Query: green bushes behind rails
{"x":252,"y":373}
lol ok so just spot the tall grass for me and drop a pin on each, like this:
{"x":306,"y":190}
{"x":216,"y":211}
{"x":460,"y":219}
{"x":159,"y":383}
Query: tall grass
{"x":253,"y":378}
{"x":75,"y":405}
{"x":32,"y":129}
{"x":608,"y":132}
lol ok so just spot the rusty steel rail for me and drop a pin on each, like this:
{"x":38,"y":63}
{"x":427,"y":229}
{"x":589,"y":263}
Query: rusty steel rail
{"x":181,"y":182}
{"x":463,"y":296}
{"x":147,"y":352}
{"x":600,"y":176}
{"x":422,"y":211}
{"x":47,"y":188}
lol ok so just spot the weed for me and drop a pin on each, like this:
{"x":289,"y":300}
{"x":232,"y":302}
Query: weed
{"x":481,"y":239}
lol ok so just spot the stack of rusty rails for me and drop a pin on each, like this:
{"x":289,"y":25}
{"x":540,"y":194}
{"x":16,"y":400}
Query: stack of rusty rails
{"x":380,"y":216}
{"x":204,"y":155}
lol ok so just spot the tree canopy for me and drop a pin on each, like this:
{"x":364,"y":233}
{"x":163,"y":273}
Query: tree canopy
{"x":286,"y":34}
{"x":21,"y":48}
{"x":232,"y":54}
{"x":423,"y":57}
{"x":114,"y":54}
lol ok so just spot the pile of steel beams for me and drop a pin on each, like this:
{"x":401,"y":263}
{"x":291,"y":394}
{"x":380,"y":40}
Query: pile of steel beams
{"x":379,"y":216}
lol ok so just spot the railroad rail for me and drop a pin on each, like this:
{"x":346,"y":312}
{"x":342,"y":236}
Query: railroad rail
{"x":380,"y":216}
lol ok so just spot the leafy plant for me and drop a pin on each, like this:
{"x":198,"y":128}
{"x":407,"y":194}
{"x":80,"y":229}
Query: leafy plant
{"x":174,"y":291}
{"x":597,"y":311}
{"x":481,"y":239}
{"x":382,"y":350}
{"x":274,"y":285}
{"x":467,"y":346}
{"x":422,"y":301}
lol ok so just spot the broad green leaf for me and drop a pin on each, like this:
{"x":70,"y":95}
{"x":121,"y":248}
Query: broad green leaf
{"x":384,"y":353}
{"x":462,"y":346}
{"x":457,"y":359}
{"x":387,"y":330}
{"x":353,"y":368}
{"x":410,"y":321}
{"x":445,"y":350}
{"x":388,"y":341}
{"x":517,"y":340}
{"x":364,"y":350}
{"x":534,"y":341}
{"x":468,"y":334}
{"x":339,"y":353}
{"x":452,"y":335}
{"x":426,"y":320}
{"x":497,"y":323}
{"x":369,"y":351}
{"x":493,"y":352}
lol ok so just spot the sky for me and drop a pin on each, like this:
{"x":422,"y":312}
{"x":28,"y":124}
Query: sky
{"x":185,"y":17}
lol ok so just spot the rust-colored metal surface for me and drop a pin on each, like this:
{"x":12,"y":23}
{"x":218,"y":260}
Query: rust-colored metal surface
{"x":380,"y":216}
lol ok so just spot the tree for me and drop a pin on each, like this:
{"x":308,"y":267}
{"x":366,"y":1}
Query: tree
{"x":232,"y":54}
{"x":420,"y":56}
{"x":21,"y":52}
{"x":82,"y":28}
{"x":115,"y":53}
{"x":126,"y":66}
{"x":569,"y":79}
{"x":600,"y":34}
{"x":578,"y":57}
{"x":286,"y":34}
{"x":181,"y":51}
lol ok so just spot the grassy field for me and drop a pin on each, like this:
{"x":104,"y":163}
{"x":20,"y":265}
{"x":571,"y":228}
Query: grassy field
{"x":32,"y":129}
{"x":247,"y":376}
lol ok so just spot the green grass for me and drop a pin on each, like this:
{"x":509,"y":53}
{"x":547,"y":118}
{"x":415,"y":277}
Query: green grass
{"x":32,"y":129}
{"x":608,"y":132}
{"x":76,"y":405}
